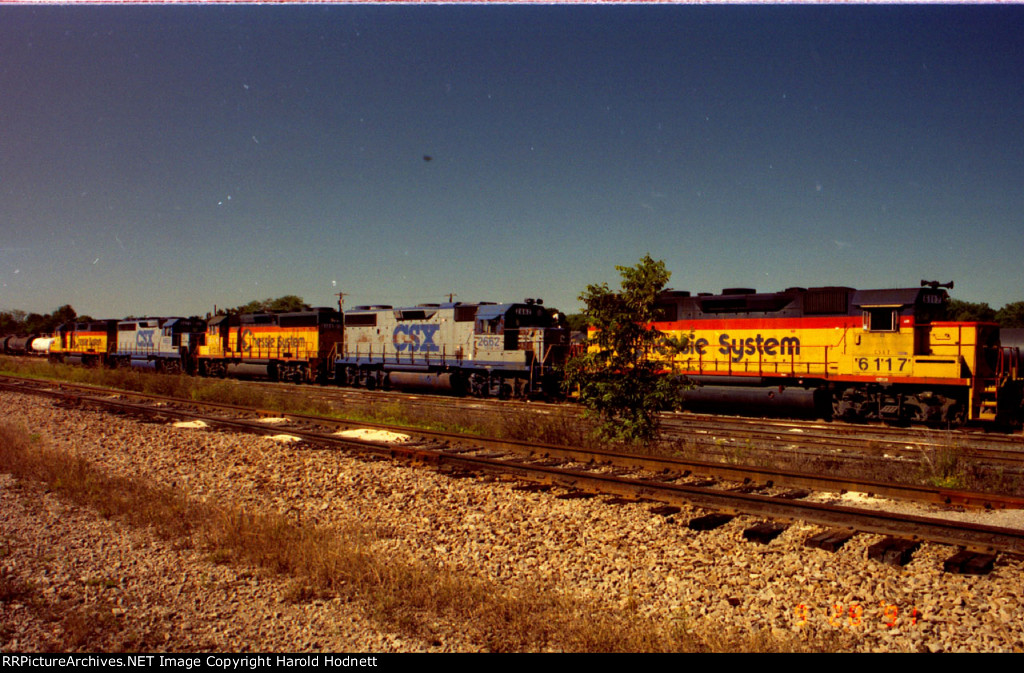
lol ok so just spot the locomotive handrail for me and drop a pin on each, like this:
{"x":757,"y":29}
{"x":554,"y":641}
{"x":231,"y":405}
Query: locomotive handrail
{"x":1008,"y":364}
{"x":727,"y":366}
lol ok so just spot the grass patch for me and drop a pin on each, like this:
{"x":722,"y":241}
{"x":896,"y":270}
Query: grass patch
{"x":941,"y":467}
{"x":416,"y":599}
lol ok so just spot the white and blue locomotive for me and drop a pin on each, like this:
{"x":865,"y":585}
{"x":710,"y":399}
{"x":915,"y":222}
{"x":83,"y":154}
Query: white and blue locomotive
{"x":484,"y":349}
{"x":159,"y":344}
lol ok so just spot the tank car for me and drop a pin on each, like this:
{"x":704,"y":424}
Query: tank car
{"x":40,"y":345}
{"x":293,"y":346}
{"x":484,"y":349}
{"x":160,"y":344}
{"x":88,"y":343}
{"x":855,"y":354}
{"x":33,"y":344}
{"x":18,"y":345}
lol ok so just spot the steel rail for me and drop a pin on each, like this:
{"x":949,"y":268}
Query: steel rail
{"x":976,"y":537}
{"x":655,"y":464}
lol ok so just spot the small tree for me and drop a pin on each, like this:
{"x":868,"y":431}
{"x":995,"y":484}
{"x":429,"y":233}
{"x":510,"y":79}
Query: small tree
{"x":617,"y":379}
{"x":1011,"y":315}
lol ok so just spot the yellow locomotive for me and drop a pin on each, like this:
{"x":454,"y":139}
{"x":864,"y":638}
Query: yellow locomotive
{"x":854,"y":354}
{"x":88,"y":343}
{"x":279,"y":346}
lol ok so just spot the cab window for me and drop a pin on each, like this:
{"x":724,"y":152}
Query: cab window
{"x":880,"y":320}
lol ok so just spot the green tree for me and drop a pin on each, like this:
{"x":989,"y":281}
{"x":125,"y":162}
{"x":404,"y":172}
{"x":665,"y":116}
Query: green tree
{"x":1011,"y":315}
{"x":64,"y":314}
{"x":617,"y":379}
{"x":576,"y":322}
{"x":36,"y":322}
{"x":966,"y":311}
{"x":286,"y":304}
{"x":9,"y":324}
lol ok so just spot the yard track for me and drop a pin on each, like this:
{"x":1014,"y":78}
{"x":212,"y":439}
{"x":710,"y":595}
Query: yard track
{"x":585,"y":472}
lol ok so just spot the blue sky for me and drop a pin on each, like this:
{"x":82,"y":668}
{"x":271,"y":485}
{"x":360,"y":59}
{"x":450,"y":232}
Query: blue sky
{"x":164,"y":160}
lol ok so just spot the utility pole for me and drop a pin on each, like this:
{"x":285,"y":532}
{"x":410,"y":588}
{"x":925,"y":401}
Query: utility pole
{"x":341,"y":311}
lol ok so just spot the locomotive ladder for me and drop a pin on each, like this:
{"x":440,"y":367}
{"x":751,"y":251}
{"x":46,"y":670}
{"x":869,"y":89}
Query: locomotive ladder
{"x":1007,"y":369}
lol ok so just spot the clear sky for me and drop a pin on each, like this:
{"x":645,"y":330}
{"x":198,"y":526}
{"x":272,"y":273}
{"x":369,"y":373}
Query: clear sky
{"x":165,"y":159}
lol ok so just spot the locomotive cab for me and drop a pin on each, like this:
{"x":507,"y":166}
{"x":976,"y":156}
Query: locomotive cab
{"x":85,"y":342}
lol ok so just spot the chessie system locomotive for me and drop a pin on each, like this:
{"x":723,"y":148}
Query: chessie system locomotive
{"x":835,"y":351}
{"x":859,"y":354}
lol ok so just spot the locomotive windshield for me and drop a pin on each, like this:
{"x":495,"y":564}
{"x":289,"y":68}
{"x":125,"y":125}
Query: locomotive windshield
{"x":527,"y":315}
{"x":502,"y":318}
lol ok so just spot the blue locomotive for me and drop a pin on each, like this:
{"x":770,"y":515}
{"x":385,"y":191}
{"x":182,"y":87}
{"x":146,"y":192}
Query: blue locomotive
{"x":483,"y":349}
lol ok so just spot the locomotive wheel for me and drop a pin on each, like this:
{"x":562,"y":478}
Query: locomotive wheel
{"x":477,"y":385}
{"x":955,"y":413}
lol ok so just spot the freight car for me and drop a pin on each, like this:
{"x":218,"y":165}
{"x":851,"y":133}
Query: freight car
{"x":852,"y":354}
{"x":33,"y":344}
{"x":40,"y":345}
{"x":293,"y":346}
{"x":483,"y":349}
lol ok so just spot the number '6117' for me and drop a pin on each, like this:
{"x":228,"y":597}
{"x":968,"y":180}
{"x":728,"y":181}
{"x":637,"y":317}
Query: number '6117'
{"x":882,"y":364}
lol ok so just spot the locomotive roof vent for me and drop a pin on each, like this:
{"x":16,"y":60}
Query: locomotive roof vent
{"x":739,"y":290}
{"x":795,"y":289}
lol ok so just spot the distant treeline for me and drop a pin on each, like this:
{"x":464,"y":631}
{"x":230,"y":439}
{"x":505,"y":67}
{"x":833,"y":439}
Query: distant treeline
{"x":1011,"y":315}
{"x":20,"y":322}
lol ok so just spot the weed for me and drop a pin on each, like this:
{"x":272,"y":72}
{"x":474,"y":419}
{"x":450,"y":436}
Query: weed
{"x":941,"y":467}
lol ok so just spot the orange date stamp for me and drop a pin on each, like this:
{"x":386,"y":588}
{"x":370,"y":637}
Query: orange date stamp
{"x":856,"y":616}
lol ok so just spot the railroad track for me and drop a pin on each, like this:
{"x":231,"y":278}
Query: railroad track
{"x":709,"y":432}
{"x":728,"y":490}
{"x":982,"y":461}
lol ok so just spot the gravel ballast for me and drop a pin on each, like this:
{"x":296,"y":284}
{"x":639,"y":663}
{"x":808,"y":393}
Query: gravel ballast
{"x":622,"y":558}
